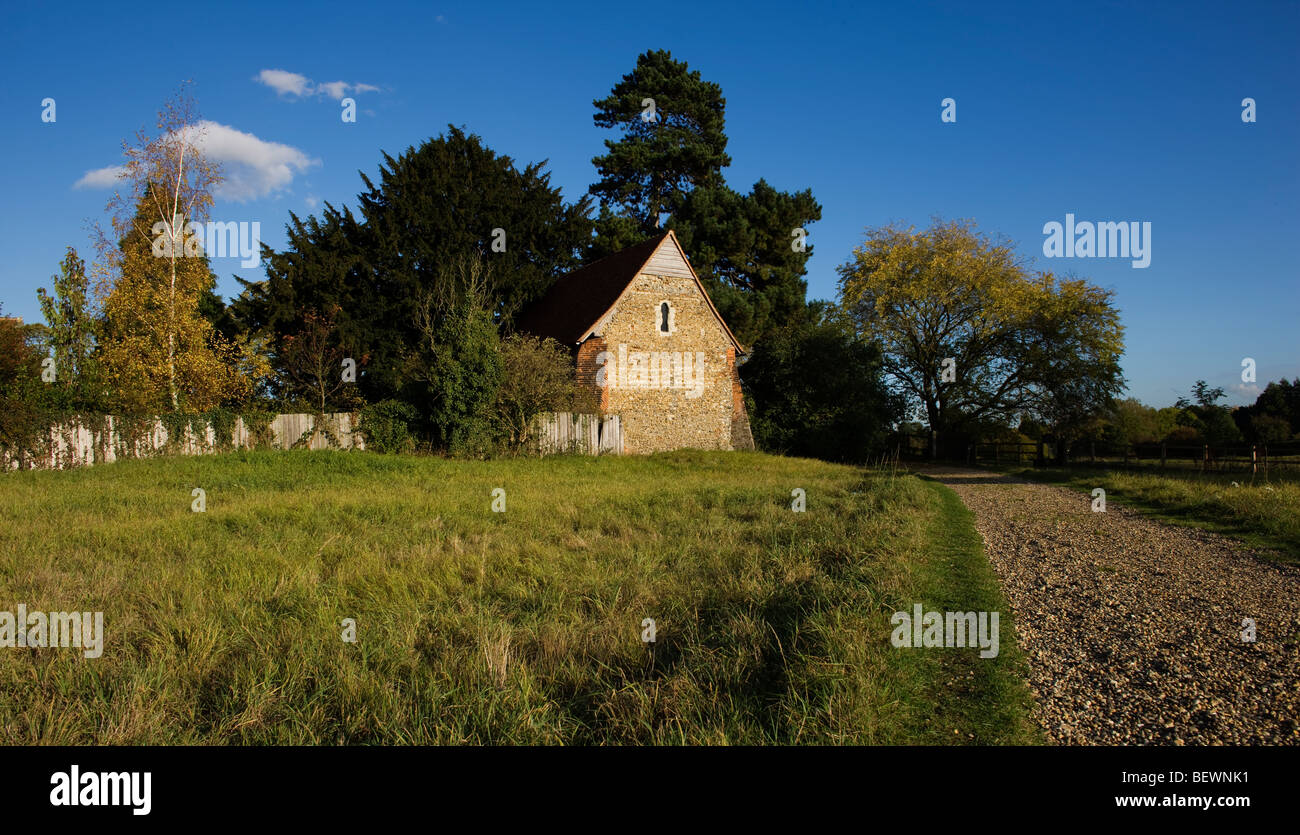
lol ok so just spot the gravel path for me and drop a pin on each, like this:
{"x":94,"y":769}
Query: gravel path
{"x":1133,"y":627}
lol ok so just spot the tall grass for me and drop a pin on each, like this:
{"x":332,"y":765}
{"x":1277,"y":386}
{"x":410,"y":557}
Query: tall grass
{"x":522,"y":627}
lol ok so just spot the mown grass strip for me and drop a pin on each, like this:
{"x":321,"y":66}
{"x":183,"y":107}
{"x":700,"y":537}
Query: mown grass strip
{"x":986,"y":701}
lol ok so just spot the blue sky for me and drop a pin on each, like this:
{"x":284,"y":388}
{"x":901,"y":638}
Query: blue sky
{"x":1108,"y":111}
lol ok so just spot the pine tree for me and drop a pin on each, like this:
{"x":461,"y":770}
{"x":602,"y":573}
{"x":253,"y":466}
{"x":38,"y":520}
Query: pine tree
{"x":71,"y":328}
{"x":673,"y":139}
{"x":665,"y":170}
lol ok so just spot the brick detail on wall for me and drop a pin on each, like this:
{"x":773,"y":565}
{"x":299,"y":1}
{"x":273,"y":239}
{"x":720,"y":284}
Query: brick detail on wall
{"x":592,"y":396}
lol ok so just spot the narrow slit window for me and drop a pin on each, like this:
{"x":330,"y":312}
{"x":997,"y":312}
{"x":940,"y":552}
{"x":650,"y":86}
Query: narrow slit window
{"x":663,"y":317}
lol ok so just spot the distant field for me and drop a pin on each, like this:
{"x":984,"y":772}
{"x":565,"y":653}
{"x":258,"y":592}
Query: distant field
{"x":479,"y":627}
{"x":1265,"y":513}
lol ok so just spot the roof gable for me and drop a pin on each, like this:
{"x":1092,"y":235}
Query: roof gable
{"x":579,"y":301}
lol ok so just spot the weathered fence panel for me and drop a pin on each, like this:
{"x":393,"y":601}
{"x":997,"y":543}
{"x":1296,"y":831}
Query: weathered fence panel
{"x":611,"y":435}
{"x":582,"y":434}
{"x":78,"y":445}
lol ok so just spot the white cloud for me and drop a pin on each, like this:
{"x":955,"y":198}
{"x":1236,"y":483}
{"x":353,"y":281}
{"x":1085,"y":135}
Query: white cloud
{"x":100,"y":177}
{"x":334,"y":89}
{"x":252,"y":167}
{"x":1247,"y":391}
{"x":285,"y":82}
{"x":294,"y":84}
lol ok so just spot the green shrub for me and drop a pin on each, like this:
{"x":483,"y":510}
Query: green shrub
{"x":538,"y":378}
{"x":386,"y":426}
{"x":818,"y":391}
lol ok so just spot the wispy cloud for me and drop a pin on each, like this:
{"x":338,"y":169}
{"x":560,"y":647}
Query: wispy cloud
{"x":252,"y":167}
{"x":285,"y":83}
{"x":300,"y":86}
{"x":100,"y":177}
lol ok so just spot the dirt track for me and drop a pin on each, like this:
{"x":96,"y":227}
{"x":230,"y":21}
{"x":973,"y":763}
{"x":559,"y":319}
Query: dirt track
{"x":1133,"y":627}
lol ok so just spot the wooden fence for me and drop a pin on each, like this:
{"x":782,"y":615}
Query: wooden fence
{"x":584,"y":434}
{"x":1254,"y":458}
{"x":75,"y":444}
{"x":78,"y":445}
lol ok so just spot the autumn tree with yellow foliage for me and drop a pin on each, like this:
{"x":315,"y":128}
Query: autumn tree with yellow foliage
{"x":972,"y":338}
{"x":157,"y":352}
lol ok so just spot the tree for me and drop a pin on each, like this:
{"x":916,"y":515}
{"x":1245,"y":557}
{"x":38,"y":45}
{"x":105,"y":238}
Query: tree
{"x":1130,"y":421}
{"x":71,"y":326}
{"x":454,"y":197}
{"x":327,"y":266}
{"x":970,"y":338}
{"x":167,"y":185}
{"x":454,"y":370}
{"x":673,"y":140}
{"x":817,"y":390}
{"x":612,"y":233}
{"x":1280,"y":403}
{"x":314,"y":361}
{"x":749,"y":249}
{"x":746,"y":251}
{"x":24,"y":418}
{"x":450,"y":199}
{"x":537,"y":377}
{"x":156,"y":349}
{"x":213,"y":308}
{"x":1202,"y":413}
{"x":1073,"y":348}
{"x":1269,"y":429}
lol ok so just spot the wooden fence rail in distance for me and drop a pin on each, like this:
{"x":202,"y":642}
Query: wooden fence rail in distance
{"x":74,"y":444}
{"x":1255,"y":458}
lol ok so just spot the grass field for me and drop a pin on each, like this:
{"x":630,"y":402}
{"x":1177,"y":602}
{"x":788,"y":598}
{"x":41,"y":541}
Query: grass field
{"x":224,"y":627}
{"x":1263,"y":513}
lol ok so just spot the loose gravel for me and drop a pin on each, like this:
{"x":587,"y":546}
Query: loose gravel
{"x":1132,"y":627}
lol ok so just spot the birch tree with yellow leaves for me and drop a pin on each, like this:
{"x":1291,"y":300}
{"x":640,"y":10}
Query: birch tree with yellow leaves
{"x":157,"y":351}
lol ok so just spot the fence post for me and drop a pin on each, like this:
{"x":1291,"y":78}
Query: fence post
{"x":1254,"y":465}
{"x":1205,"y":457}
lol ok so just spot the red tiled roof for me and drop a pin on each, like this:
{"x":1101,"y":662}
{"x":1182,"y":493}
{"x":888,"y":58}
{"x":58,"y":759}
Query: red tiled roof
{"x":579,"y":299}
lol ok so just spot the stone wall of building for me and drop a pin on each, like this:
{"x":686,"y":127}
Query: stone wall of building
{"x":666,"y":398}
